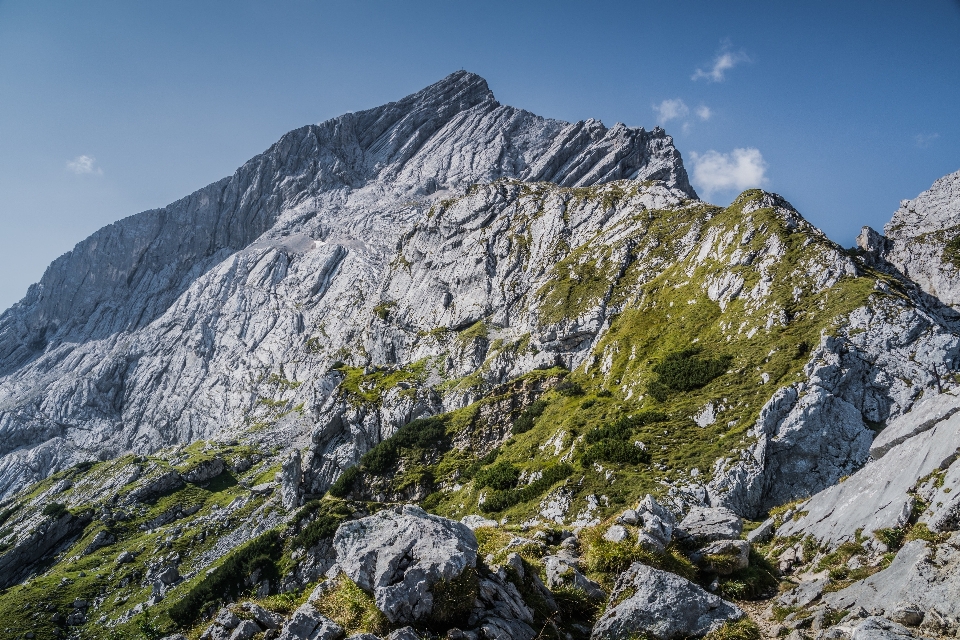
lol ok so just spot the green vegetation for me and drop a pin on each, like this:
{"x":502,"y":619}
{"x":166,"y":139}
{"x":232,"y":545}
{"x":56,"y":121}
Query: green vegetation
{"x":421,"y":434}
{"x":500,"y":500}
{"x":54,"y":510}
{"x":501,"y":476}
{"x":228,"y":578}
{"x":685,"y":371}
{"x":743,"y":629}
{"x":525,"y":422}
{"x":352,"y":608}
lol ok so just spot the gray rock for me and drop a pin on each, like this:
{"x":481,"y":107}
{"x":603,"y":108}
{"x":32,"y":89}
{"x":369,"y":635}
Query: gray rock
{"x":724,"y":557}
{"x":403,"y":633}
{"x":38,"y":542}
{"x":706,"y":524}
{"x":205,"y":470}
{"x":661,"y":605}
{"x":125,"y":557}
{"x":655,"y":520}
{"x":878,"y":496}
{"x":805,"y":593}
{"x":264,"y":618}
{"x":922,"y":576}
{"x":924,"y":415}
{"x":763,"y":533}
{"x":877,"y":628}
{"x":628,"y":517}
{"x":616,"y":533}
{"x":103,"y":538}
{"x":245,"y":630}
{"x":150,"y":489}
{"x":290,"y":476}
{"x":399,"y":553}
{"x":226,"y":619}
{"x":475,"y":522}
{"x":917,"y":234}
{"x":307,"y":624}
{"x":563,"y":571}
{"x":168,"y":575}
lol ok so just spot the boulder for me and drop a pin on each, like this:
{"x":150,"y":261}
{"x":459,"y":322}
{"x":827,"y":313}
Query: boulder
{"x":399,"y":553}
{"x":245,"y":630}
{"x":103,"y":539}
{"x":403,"y":633}
{"x":563,"y":571}
{"x":724,"y":557}
{"x":264,"y":618}
{"x":655,"y":520}
{"x":307,"y":624}
{"x":763,"y":533}
{"x":877,"y":628}
{"x":616,"y":533}
{"x":706,"y":524}
{"x":661,"y":606}
{"x":205,"y":470}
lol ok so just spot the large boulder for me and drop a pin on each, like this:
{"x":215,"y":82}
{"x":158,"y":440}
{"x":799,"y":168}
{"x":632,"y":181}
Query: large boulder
{"x":663,"y":606}
{"x":400,"y":553}
{"x":307,"y":624}
{"x":655,"y":520}
{"x":706,"y":524}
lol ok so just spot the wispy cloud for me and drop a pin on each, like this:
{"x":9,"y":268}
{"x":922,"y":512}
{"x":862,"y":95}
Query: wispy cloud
{"x":740,"y":169}
{"x":924,"y":140}
{"x":84,"y":164}
{"x":704,"y":112}
{"x":670,"y":110}
{"x":725,"y":60}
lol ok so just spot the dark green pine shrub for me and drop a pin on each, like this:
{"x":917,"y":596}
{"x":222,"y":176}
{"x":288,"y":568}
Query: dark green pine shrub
{"x":424,"y":433}
{"x":346,"y":482}
{"x":54,"y":510}
{"x":616,"y":451}
{"x":501,"y":476}
{"x":529,"y":416}
{"x":685,"y":371}
{"x":500,"y":500}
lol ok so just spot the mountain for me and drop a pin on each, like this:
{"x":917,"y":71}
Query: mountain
{"x":532,"y":327}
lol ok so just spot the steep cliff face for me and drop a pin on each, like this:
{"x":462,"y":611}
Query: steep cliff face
{"x":167,"y":326}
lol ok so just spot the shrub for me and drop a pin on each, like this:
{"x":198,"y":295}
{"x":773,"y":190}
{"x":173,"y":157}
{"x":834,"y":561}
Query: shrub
{"x":228,"y":579}
{"x":500,"y":476}
{"x":345,"y":483}
{"x":623,"y":428}
{"x":526,"y":420}
{"x":616,"y":451}
{"x":423,"y":433}
{"x":324,"y":525}
{"x":569,"y":389}
{"x":54,"y":510}
{"x":500,"y":500}
{"x":453,"y":600}
{"x":743,"y":629}
{"x":758,"y":580}
{"x":6,"y":513}
{"x":685,"y":371}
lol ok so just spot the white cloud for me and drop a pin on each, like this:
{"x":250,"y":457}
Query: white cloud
{"x":924,"y":140}
{"x":704,"y":112}
{"x":740,"y":169}
{"x":725,"y":60}
{"x":84,"y":164}
{"x":670,"y":110}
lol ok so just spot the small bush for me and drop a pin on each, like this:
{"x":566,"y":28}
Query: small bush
{"x":529,"y":416}
{"x":685,"y":371}
{"x":323,"y":526}
{"x":54,"y":510}
{"x":228,"y":578}
{"x":616,"y":451}
{"x":6,"y":513}
{"x":623,"y":428}
{"x":607,"y":560}
{"x":345,"y":483}
{"x":569,"y":389}
{"x":500,"y":500}
{"x":424,"y":433}
{"x":501,"y":476}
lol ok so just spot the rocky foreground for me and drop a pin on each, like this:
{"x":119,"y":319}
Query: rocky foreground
{"x":445,"y":368}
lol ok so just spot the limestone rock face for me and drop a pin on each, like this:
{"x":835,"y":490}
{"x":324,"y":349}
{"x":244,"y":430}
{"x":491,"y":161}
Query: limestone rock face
{"x":879,"y":496}
{"x":922,"y":575}
{"x":920,"y":235}
{"x":661,"y":605}
{"x":172,"y":325}
{"x":399,"y":553}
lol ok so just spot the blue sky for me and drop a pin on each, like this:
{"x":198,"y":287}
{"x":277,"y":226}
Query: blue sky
{"x":110,"y":108}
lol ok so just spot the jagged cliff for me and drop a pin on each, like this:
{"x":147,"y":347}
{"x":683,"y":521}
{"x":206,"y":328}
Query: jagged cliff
{"x":452,"y":302}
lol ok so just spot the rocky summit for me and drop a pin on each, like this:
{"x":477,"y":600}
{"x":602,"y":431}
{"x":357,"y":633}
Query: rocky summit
{"x":446,"y":368}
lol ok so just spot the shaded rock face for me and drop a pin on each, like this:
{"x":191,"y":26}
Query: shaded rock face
{"x":166,"y":319}
{"x":661,"y":605}
{"x":398,"y":554}
{"x":35,"y":546}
